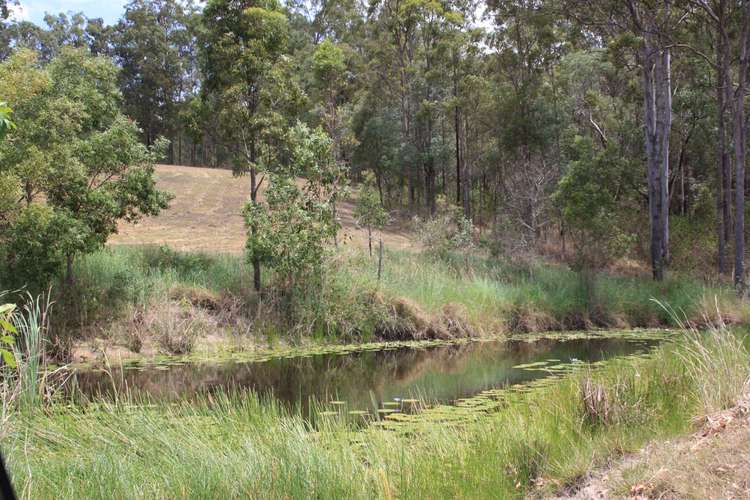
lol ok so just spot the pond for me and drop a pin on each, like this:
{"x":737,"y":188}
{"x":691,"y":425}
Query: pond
{"x":374,"y":380}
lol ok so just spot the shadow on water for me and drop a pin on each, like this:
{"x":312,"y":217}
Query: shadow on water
{"x":365,"y":380}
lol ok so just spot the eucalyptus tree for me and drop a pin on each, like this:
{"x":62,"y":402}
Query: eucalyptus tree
{"x":58,"y":31}
{"x":245,"y":65}
{"x":529,"y":43}
{"x":646,"y":30}
{"x":717,"y":14}
{"x":402,"y":25}
{"x":329,"y":71}
{"x":342,"y":21}
{"x":740,"y":148}
{"x":5,"y":8}
{"x":154,"y":44}
{"x":5,"y":42}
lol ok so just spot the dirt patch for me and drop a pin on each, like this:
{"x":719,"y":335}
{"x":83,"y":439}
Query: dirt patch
{"x":712,"y":463}
{"x":206,"y":215}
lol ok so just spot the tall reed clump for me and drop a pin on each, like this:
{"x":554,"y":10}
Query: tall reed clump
{"x":32,"y":323}
{"x":718,"y":364}
{"x":530,"y":296}
{"x":716,"y":359}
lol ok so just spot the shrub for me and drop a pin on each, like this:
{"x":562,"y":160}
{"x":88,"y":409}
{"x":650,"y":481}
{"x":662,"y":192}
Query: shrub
{"x":446,"y":232}
{"x":176,"y":326}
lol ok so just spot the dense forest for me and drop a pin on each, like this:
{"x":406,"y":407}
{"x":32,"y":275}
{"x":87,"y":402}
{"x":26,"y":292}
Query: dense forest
{"x":591,"y":130}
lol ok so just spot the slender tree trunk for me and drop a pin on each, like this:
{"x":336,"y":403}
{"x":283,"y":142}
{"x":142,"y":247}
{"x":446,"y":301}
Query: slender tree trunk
{"x":457,"y":126}
{"x":723,"y":177}
{"x":655,"y":83}
{"x":380,"y":260}
{"x":466,"y":172}
{"x":430,"y":188}
{"x":664,"y":118}
{"x":69,"y":275}
{"x":740,"y":146}
{"x":379,"y":182}
{"x":254,"y":201}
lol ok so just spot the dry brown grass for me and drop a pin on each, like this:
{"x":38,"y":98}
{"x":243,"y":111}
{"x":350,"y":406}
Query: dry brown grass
{"x":206,"y":215}
{"x":408,"y":321}
{"x":713,"y":463}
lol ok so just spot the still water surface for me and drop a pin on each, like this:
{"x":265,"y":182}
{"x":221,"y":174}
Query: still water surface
{"x":371,"y":379}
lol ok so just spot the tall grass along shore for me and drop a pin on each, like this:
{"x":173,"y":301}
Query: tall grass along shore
{"x":234,"y":445}
{"x":153,"y":299}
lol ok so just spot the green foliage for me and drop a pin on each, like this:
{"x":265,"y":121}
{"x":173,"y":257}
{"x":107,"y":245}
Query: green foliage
{"x":291,"y":230}
{"x":590,"y":197}
{"x":76,"y":160}
{"x":261,"y":27}
{"x":6,"y":125}
{"x":328,"y":63}
{"x":35,"y":244}
{"x":7,"y":332}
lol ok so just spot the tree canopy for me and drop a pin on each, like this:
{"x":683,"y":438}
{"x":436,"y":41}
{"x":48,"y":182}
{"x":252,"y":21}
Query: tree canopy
{"x":513,"y":111}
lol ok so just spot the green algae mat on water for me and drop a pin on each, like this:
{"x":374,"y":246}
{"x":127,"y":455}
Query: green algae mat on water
{"x":385,"y":380}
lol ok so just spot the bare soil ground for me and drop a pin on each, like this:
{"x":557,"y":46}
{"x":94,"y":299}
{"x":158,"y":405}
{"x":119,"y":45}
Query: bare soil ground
{"x":714,"y":463}
{"x":206,"y":215}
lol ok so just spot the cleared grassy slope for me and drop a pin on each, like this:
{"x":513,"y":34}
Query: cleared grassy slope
{"x":206,"y":215}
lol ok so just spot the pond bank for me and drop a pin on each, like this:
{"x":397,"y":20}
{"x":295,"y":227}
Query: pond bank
{"x":153,"y":300}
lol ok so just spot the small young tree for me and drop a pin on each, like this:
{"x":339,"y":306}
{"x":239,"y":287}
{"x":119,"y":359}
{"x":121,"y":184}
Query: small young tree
{"x":369,"y":212}
{"x":591,"y":198}
{"x":296,"y":221}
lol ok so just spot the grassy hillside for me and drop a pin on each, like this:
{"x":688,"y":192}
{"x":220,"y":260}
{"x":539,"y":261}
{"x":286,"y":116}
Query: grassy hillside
{"x":206,"y":215}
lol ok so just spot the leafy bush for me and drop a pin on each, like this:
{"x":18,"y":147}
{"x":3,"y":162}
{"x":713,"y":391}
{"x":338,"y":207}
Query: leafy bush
{"x":76,"y":160}
{"x":185,"y":264}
